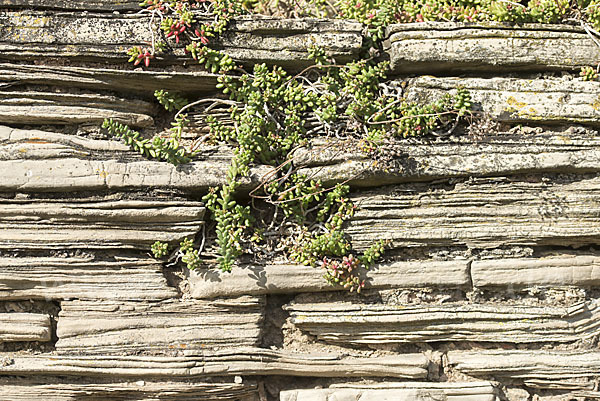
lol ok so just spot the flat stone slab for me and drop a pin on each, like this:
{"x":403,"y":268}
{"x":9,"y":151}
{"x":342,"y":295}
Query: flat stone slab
{"x":428,"y":159}
{"x":408,"y":391}
{"x":560,"y":270}
{"x":66,"y":389}
{"x":100,"y":78}
{"x":93,"y":5}
{"x":515,"y":100}
{"x":567,"y":370}
{"x":432,"y":47}
{"x":42,"y":161}
{"x":125,"y":328}
{"x":232,"y":362}
{"x":136,"y":224}
{"x":29,"y":35}
{"x":285,"y":279}
{"x":46,"y":106}
{"x":360,"y":323}
{"x":25,"y":327}
{"x":85,"y":278}
{"x":482,"y":213}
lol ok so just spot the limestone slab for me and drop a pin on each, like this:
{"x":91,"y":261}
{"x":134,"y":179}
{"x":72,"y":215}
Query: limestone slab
{"x":285,"y":279}
{"x":57,"y":278}
{"x":42,"y":161}
{"x":231,"y":362}
{"x":428,"y":159}
{"x":518,"y":100}
{"x":354,"y":323}
{"x":102,"y":78}
{"x":94,"y":36}
{"x":481,"y":213}
{"x":94,"y":5}
{"x":408,"y":391}
{"x":458,"y":47}
{"x":25,"y":327}
{"x":61,"y":389}
{"x":29,"y":224}
{"x":553,"y":271}
{"x":544,"y":369}
{"x":122,"y":328}
{"x":43,"y":106}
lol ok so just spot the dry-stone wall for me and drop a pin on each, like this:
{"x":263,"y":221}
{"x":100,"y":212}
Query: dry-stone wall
{"x":488,"y":291}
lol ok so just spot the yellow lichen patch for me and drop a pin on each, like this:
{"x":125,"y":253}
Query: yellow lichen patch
{"x":515,"y":103}
{"x":596,"y":104}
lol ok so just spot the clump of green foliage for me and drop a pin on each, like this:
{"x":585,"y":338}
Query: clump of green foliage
{"x":159,"y":249}
{"x":588,"y":74}
{"x":271,"y":116}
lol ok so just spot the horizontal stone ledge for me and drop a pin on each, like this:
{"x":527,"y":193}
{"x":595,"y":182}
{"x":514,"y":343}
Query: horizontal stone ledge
{"x":406,"y":391}
{"x":458,"y":47}
{"x":288,"y":278}
{"x":29,"y":224}
{"x":65,"y":389}
{"x":39,"y":107}
{"x":244,"y":362}
{"x":25,"y":327}
{"x":355,"y":324}
{"x":39,"y":35}
{"x":517,"y":100}
{"x":93,"y":5}
{"x":123,"y":80}
{"x":55,"y":278}
{"x":481,"y":213}
{"x":541,"y":366}
{"x":560,"y":270}
{"x":159,"y":328}
{"x":425,"y":159}
{"x":34,"y":160}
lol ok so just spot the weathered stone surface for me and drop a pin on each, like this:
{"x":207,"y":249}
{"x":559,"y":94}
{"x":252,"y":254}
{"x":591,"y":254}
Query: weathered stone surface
{"x":285,"y":279}
{"x":93,"y":5}
{"x":555,"y":271}
{"x":54,"y":278}
{"x":544,"y":369}
{"x":28,"y":224}
{"x":33,"y":160}
{"x":459,"y":47}
{"x":425,"y":159}
{"x":516,"y":100}
{"x":116,"y":327}
{"x":24,"y":327}
{"x":37,"y":34}
{"x":481,"y":213}
{"x":410,"y":391}
{"x":348,"y":323}
{"x":61,"y":389}
{"x":27,"y":106}
{"x":124,"y":80}
{"x":246,"y":362}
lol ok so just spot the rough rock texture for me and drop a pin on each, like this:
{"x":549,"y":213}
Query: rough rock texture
{"x":458,"y":47}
